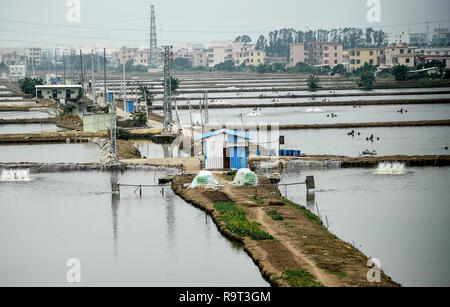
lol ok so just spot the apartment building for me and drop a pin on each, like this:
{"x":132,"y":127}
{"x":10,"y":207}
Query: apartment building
{"x":324,"y":53}
{"x":34,"y":56}
{"x":249,"y":56}
{"x":399,"y":55}
{"x":297,"y":54}
{"x":14,"y":58}
{"x":199,"y":58}
{"x":359,"y":57}
{"x":17,"y":71}
{"x":219,"y":52}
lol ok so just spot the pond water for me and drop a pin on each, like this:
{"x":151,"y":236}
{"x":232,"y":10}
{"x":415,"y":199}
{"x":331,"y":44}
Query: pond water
{"x":318,"y":115}
{"x":38,"y":113}
{"x":403,"y":220}
{"x":28,"y":128}
{"x":156,"y":240}
{"x":393,"y":141}
{"x":50,"y":153}
{"x":149,"y":149}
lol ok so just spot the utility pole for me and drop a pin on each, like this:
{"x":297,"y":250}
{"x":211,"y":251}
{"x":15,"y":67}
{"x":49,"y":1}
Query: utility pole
{"x":124,"y":92}
{"x":56,"y":68}
{"x":113,"y":129}
{"x":428,"y":29}
{"x":71,"y":64}
{"x":205,"y":106}
{"x":167,"y":124}
{"x":93,"y":79}
{"x":82,"y":75}
{"x":104,"y":76}
{"x":64,"y":69}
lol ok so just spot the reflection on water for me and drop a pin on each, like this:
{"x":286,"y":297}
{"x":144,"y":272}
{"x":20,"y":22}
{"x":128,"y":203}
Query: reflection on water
{"x":401,"y":220}
{"x":156,"y":240}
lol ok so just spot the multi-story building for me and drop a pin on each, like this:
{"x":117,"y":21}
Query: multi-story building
{"x":34,"y":56}
{"x":297,"y":54}
{"x":17,"y":71}
{"x":219,"y":52}
{"x":392,"y":39}
{"x":441,"y":37}
{"x":324,"y":53}
{"x":127,"y":54}
{"x":426,"y":55}
{"x":418,"y":39}
{"x":399,"y":55}
{"x":14,"y":58}
{"x":359,"y":57}
{"x":249,"y":56}
{"x":142,"y":57}
{"x":199,"y":58}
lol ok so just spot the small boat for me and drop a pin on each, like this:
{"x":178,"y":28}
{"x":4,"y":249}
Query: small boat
{"x":166,"y":179}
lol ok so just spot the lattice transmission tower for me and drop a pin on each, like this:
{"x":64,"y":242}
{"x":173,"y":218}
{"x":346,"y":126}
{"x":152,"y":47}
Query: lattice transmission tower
{"x":153,"y":59}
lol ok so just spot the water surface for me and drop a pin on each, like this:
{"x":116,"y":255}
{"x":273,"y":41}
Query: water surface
{"x":403,"y":220}
{"x":156,"y":240}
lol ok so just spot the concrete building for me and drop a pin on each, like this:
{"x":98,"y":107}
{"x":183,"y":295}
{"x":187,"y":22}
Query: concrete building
{"x":225,"y":149}
{"x":17,"y":72}
{"x":127,"y":54}
{"x":359,"y":57}
{"x":34,"y":56}
{"x":67,"y":92}
{"x":441,"y":37}
{"x":324,"y":53}
{"x":199,"y":58}
{"x":399,"y":55}
{"x":399,"y":38}
{"x":418,"y":39}
{"x":14,"y":58}
{"x":440,"y":51}
{"x":249,"y":56}
{"x":219,"y":52}
{"x":297,"y":54}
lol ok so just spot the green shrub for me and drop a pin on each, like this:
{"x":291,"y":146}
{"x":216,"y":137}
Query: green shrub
{"x":123,"y":134}
{"x":236,"y":221}
{"x":300,"y":278}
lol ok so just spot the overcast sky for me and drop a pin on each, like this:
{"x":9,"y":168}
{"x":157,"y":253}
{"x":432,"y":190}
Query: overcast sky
{"x":126,"y":23}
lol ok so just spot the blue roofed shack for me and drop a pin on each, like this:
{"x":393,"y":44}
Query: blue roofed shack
{"x":225,"y":149}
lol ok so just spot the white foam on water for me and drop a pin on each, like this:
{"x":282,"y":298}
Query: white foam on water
{"x":386,"y":168}
{"x":15,"y":175}
{"x":314,"y":110}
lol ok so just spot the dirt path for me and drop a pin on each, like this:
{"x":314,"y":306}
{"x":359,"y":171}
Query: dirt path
{"x":322,"y":277}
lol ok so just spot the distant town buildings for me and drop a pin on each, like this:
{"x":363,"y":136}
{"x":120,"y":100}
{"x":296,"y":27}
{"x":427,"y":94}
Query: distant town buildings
{"x":361,"y":56}
{"x":399,"y":55}
{"x":17,"y":71}
{"x":34,"y":56}
{"x":297,"y":54}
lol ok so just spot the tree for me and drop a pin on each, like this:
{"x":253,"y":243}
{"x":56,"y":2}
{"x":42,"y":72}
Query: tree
{"x":226,"y":66}
{"x":244,"y":38}
{"x":138,"y":118}
{"x":28,"y":85}
{"x":367,"y":79}
{"x":313,"y":82}
{"x":262,"y":69}
{"x":174,"y":84}
{"x":261,"y":44}
{"x":400,"y":72}
{"x":339,"y":69}
{"x":145,"y":94}
{"x":181,"y":64}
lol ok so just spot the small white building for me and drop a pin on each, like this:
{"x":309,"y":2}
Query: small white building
{"x":17,"y":71}
{"x":57,"y":91}
{"x":225,"y":149}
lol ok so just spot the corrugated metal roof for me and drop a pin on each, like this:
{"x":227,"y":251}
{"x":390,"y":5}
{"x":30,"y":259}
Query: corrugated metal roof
{"x":226,"y":131}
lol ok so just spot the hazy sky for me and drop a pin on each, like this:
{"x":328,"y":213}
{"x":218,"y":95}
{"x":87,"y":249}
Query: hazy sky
{"x":126,"y":23}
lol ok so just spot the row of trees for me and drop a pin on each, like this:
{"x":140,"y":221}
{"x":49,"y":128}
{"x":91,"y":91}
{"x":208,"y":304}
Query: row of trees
{"x":277,"y":43}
